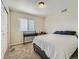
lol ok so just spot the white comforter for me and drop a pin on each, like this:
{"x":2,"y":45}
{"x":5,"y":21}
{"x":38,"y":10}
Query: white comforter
{"x":57,"y":46}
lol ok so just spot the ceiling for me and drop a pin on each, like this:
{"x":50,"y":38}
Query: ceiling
{"x":30,"y":6}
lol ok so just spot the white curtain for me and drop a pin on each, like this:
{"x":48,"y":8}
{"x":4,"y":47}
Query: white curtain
{"x":26,"y":25}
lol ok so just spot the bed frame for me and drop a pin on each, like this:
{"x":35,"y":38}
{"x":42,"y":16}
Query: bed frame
{"x":38,"y":50}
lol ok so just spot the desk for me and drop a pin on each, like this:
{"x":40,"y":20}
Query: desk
{"x":30,"y":35}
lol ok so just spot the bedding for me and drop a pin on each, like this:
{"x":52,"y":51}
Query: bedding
{"x":65,"y":32}
{"x":57,"y":46}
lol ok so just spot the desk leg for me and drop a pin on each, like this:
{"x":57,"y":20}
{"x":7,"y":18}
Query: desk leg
{"x":23,"y":40}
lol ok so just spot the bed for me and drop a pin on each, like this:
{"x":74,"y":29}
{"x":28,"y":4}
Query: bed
{"x":55,"y":46}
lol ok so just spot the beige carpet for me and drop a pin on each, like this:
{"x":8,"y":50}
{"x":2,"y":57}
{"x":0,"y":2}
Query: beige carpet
{"x":22,"y":52}
{"x":26,"y":52}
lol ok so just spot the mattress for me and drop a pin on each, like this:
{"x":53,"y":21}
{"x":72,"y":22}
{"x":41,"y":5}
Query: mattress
{"x":57,"y":46}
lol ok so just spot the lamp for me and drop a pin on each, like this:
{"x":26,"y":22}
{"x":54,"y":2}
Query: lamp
{"x":41,"y":4}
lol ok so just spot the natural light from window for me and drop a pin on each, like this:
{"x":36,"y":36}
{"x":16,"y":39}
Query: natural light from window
{"x":26,"y":25}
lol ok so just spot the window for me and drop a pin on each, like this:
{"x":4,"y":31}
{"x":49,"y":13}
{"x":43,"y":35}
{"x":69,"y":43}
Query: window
{"x":31,"y":25}
{"x":26,"y":25}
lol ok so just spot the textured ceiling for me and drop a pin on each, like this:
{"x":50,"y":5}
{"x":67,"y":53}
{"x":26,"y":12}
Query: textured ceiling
{"x":30,"y":6}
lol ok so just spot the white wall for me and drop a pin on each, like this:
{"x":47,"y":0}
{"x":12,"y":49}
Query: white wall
{"x":16,"y":35}
{"x":63,"y":21}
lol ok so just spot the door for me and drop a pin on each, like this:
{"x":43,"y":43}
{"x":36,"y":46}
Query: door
{"x":3,"y":31}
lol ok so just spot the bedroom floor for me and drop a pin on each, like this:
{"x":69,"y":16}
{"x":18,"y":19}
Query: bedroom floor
{"x":24,"y":52}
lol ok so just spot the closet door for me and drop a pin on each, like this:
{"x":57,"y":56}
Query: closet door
{"x":3,"y":31}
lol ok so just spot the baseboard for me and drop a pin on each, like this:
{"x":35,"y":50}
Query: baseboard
{"x":20,"y":43}
{"x":16,"y":44}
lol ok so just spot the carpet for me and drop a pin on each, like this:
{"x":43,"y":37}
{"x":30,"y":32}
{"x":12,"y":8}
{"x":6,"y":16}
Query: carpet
{"x":25,"y":52}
